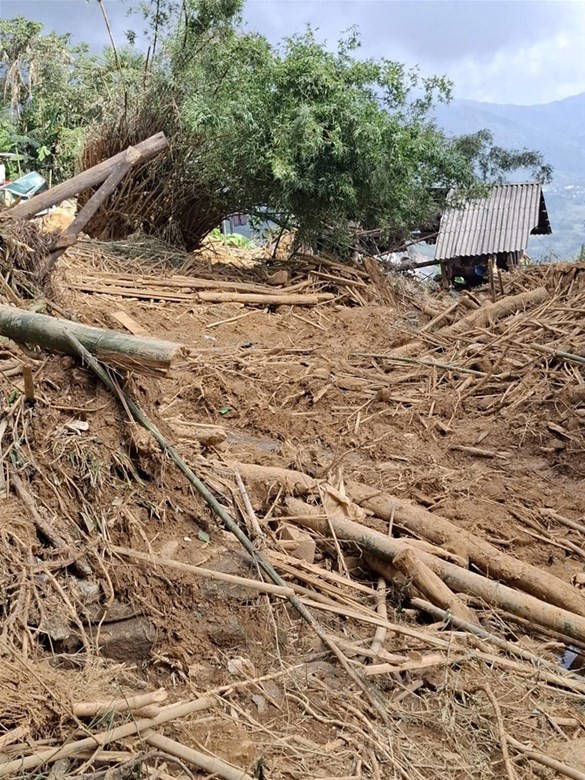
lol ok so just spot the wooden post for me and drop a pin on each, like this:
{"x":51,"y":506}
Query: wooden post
{"x":144,"y":355}
{"x":491,"y":275}
{"x":88,"y":179}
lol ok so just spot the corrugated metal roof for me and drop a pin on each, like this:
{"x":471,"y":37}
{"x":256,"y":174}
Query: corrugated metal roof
{"x":501,"y":222}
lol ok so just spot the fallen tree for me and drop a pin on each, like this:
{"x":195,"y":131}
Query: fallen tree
{"x":144,"y":355}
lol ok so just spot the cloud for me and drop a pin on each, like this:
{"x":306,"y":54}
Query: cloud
{"x":496,"y":50}
{"x":548,"y":69}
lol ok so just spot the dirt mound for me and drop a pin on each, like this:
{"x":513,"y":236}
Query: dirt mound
{"x":117,"y":578}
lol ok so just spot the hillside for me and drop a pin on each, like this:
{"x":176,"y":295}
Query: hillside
{"x":558,"y":130}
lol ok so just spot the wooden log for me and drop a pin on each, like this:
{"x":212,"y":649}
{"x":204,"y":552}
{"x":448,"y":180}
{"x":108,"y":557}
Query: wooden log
{"x":69,"y":235}
{"x":457,"y":579}
{"x":488,"y":558}
{"x":144,"y":355}
{"x":266,"y":299}
{"x":481,"y":318}
{"x":437,"y":530}
{"x":91,"y":178}
{"x":431,"y":585}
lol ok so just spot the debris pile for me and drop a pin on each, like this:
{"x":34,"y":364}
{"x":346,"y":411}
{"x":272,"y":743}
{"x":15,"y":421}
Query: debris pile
{"x":335,"y":533}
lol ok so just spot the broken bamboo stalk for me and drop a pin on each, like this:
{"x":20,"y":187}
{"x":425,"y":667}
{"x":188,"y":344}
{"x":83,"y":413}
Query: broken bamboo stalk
{"x":436,"y":530}
{"x":561,"y":676}
{"x":431,"y":585}
{"x":127,"y":704}
{"x":103,"y":738}
{"x":144,"y":355}
{"x":548,"y":761}
{"x":266,"y":299}
{"x":212,"y":765}
{"x":145,"y":150}
{"x":457,"y":579}
{"x":422,"y":362}
{"x":557,"y":353}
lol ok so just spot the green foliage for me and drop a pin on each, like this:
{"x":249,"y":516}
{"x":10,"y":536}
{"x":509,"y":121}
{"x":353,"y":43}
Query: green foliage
{"x":312,"y":138}
{"x":494,"y":163}
{"x":319,"y":138}
{"x":232,"y":239}
{"x":51,"y":91}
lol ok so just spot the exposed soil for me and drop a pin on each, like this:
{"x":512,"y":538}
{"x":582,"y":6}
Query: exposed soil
{"x":288,"y":389}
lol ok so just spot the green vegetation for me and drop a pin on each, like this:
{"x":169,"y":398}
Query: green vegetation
{"x":321,"y":139}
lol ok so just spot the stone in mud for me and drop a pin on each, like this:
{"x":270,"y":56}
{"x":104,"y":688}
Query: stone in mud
{"x":129,"y":641}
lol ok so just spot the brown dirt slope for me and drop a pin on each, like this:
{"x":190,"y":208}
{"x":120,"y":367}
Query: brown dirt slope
{"x":478,"y":426}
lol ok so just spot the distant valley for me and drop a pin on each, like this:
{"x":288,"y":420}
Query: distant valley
{"x":558,"y":131}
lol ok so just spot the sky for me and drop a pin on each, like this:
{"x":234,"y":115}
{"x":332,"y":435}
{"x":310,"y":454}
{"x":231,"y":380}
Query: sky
{"x":499,"y":51}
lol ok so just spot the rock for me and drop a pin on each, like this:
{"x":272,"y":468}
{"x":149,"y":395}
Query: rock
{"x":278,"y":278}
{"x":228,"y":633}
{"x":231,"y":563}
{"x":130,"y":641}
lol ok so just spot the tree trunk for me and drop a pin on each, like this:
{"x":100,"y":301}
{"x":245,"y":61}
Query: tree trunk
{"x":144,"y":355}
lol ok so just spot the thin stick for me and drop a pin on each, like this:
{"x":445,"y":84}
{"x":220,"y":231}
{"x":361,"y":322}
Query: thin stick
{"x":545,"y":760}
{"x":421,"y":362}
{"x":232,"y":319}
{"x":198,"y":571}
{"x":563,"y":677}
{"x":258,"y":532}
{"x":501,"y":732}
{"x":224,"y":516}
{"x":557,"y":353}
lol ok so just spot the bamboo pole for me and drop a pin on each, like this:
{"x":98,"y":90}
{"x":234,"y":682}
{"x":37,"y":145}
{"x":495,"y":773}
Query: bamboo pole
{"x":457,"y":579}
{"x":90,"y":709}
{"x":145,"y":150}
{"x":144,"y":355}
{"x":266,"y":299}
{"x":210,"y":764}
{"x":103,"y":738}
{"x":435,"y":529}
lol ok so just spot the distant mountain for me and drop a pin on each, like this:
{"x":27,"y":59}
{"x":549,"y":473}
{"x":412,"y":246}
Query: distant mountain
{"x":558,"y":131}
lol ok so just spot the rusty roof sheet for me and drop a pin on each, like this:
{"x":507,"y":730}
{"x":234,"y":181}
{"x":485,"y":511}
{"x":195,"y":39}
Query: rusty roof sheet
{"x":501,"y":222}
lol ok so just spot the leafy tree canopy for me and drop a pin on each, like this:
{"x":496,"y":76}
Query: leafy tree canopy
{"x":321,"y":138}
